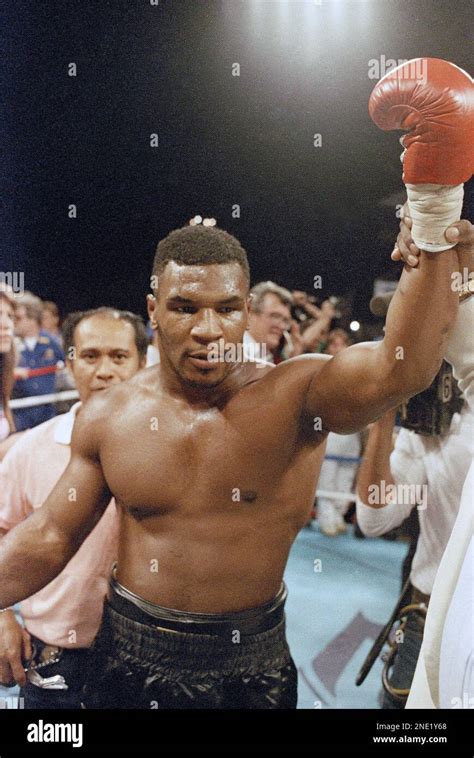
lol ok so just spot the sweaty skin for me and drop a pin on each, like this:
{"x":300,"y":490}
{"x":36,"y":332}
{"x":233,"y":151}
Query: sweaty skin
{"x":214,"y":466}
{"x":215,"y":495}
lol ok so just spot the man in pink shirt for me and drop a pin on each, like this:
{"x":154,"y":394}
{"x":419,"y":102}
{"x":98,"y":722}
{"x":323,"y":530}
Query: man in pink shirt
{"x":103,"y":347}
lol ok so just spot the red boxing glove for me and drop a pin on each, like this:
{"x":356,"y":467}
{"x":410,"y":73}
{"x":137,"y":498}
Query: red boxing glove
{"x":433,"y":100}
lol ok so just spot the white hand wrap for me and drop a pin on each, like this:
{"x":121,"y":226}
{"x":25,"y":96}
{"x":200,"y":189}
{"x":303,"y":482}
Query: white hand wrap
{"x":433,"y":207}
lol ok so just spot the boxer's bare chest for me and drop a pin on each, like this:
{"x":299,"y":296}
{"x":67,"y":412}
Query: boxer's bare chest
{"x":161,"y":454}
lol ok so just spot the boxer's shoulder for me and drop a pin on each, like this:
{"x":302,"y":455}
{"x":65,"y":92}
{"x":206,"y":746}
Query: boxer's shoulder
{"x":284,"y":385}
{"x":99,"y":409}
{"x":308,"y":362}
{"x":291,"y":377}
{"x":300,"y":369}
{"x":127,"y":400}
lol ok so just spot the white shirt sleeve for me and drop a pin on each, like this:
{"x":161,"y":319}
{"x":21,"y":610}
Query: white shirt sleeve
{"x":14,"y":503}
{"x":407,"y":467}
{"x":376,"y":521}
{"x":407,"y":459}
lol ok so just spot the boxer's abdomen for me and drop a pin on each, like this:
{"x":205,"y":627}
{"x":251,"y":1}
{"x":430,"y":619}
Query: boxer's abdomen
{"x":211,"y":499}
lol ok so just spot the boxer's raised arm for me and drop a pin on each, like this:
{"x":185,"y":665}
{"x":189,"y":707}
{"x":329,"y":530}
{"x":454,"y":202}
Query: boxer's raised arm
{"x":37,"y":550}
{"x":362,"y":382}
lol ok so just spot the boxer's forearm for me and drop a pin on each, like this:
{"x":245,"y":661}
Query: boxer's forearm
{"x":420,"y":317}
{"x":375,"y":466}
{"x":364,"y":381}
{"x":31,"y":555}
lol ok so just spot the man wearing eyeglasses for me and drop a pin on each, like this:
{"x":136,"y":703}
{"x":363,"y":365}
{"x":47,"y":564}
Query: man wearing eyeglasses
{"x":269,"y":318}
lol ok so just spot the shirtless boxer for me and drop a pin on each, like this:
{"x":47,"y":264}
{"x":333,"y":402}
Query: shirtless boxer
{"x":214,"y":468}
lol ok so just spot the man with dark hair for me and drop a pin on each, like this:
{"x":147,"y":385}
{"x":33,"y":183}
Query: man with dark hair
{"x":213,"y":466}
{"x":104,"y":347}
{"x":74,"y":319}
{"x":199,"y":244}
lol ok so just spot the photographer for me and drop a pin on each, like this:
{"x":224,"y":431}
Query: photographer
{"x":432,"y":457}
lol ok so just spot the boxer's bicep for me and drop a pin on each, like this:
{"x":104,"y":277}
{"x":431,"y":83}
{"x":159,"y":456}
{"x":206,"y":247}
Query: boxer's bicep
{"x":81,"y":495}
{"x":350,"y":391}
{"x":77,"y":502}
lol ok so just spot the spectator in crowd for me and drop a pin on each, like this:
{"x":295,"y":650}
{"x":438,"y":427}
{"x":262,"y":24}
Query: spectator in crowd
{"x":7,"y":360}
{"x":64,"y":379}
{"x":444,"y":675}
{"x":340,"y":463}
{"x":62,"y":619}
{"x":269,"y":320}
{"x":437,"y":463}
{"x":153,"y":350}
{"x":50,"y":323}
{"x":304,"y":306}
{"x":337,"y":340}
{"x":315,"y":329}
{"x":37,"y":350}
{"x":50,"y":320}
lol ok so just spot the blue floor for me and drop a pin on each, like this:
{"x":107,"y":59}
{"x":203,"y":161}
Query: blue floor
{"x":335,"y":609}
{"x":333,"y":615}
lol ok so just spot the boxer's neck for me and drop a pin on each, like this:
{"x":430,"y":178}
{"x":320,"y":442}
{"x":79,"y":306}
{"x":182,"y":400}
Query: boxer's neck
{"x":210,"y":396}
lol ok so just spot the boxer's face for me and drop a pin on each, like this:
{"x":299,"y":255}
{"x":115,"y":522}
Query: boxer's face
{"x":196,"y":307}
{"x":6,"y":325}
{"x":105,"y":354}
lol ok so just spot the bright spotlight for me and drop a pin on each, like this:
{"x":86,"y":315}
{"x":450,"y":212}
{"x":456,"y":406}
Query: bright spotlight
{"x":354,"y":326}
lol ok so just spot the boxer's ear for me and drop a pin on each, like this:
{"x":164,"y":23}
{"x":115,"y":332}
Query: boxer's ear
{"x":150,"y":306}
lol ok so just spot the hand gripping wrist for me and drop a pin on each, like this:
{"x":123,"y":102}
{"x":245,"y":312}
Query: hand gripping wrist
{"x":433,"y":207}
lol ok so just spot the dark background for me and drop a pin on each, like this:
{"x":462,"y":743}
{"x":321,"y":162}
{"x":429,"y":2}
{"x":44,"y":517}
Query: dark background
{"x":223,"y":140}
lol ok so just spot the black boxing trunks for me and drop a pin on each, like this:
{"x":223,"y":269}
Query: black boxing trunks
{"x":146,"y":656}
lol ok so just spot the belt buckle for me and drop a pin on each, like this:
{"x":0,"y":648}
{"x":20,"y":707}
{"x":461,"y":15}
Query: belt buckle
{"x":42,"y":657}
{"x":49,"y":654}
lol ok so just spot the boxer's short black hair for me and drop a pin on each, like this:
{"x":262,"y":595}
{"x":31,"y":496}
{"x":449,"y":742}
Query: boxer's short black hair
{"x":194,"y":245}
{"x":71,"y":321}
